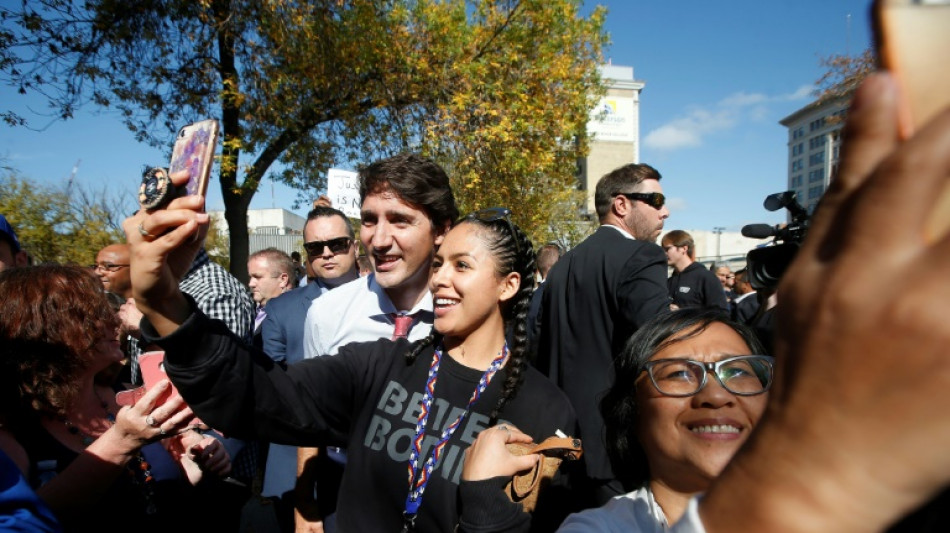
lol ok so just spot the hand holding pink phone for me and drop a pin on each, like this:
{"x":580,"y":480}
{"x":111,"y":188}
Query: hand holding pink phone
{"x":152,"y":366}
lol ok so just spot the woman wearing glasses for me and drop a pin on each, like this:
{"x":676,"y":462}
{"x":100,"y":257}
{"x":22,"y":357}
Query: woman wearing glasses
{"x":689,"y":388}
{"x":405,"y":412}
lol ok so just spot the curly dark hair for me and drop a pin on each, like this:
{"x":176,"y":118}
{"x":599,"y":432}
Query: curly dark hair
{"x":53,"y":317}
{"x":619,"y":406}
{"x":513,"y":252}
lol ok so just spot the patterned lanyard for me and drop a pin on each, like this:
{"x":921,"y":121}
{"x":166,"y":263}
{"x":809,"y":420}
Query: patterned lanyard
{"x":417,"y":484}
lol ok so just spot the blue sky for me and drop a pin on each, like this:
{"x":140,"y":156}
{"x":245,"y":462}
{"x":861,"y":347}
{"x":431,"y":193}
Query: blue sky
{"x":719,"y":76}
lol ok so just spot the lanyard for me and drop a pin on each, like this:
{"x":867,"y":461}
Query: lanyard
{"x":419,"y":478}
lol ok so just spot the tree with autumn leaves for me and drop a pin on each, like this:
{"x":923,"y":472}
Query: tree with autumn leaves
{"x":66,"y":224}
{"x":496,"y":91}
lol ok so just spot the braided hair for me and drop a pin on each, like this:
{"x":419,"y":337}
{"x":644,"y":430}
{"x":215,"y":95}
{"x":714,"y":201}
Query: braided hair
{"x":513,"y":252}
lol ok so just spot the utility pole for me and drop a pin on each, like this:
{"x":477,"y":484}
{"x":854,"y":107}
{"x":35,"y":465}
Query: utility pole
{"x":72,"y":176}
{"x":718,"y":231}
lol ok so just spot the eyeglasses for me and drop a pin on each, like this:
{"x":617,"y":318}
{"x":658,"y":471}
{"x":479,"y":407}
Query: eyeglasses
{"x":656,"y":200}
{"x":743,"y":375}
{"x":494,"y":214}
{"x":111,"y":267}
{"x":336,"y":246}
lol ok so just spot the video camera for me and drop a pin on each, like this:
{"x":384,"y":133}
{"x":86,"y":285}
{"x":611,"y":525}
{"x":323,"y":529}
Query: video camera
{"x":767,"y":264}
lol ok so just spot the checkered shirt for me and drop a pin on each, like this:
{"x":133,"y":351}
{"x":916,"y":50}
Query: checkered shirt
{"x":218,"y":294}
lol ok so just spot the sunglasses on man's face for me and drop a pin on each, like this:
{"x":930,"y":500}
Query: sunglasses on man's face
{"x":336,"y":246}
{"x":656,"y":200}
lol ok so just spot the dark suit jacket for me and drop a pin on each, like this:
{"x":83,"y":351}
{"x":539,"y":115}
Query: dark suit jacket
{"x":534,"y":322}
{"x":744,"y":311}
{"x":282,"y":330}
{"x":594,"y":298}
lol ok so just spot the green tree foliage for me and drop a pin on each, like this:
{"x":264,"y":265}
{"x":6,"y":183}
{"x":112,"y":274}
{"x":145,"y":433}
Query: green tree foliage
{"x":497,"y":91}
{"x":61,"y":224}
{"x":216,"y":244}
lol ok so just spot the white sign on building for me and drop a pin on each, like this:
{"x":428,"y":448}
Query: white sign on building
{"x":343,"y":188}
{"x":613,"y":120}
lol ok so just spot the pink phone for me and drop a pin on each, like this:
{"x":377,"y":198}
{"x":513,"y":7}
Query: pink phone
{"x":152,"y":367}
{"x":194,"y":151}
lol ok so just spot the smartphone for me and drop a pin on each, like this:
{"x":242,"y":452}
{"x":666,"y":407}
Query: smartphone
{"x":152,"y":367}
{"x":194,"y":151}
{"x":912,"y":38}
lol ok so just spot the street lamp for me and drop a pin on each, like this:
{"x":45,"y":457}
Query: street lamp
{"x":718,"y":231}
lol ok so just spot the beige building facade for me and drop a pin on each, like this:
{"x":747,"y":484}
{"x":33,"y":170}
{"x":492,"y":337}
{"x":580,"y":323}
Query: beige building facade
{"x":814,"y":140}
{"x":614,"y":127}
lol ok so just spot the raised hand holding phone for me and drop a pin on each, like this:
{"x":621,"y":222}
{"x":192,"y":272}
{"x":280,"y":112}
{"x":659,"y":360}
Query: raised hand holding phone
{"x":166,"y":234}
{"x":164,"y":243}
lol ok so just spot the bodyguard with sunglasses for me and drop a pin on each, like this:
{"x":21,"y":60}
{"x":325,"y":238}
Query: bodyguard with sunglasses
{"x":331,"y":252}
{"x":595,"y":297}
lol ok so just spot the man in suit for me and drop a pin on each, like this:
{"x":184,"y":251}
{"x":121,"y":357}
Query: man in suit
{"x":271,"y":274}
{"x":746,"y":304}
{"x":595,"y":297}
{"x":333,"y":265}
{"x":331,"y":252}
{"x":545,"y":258}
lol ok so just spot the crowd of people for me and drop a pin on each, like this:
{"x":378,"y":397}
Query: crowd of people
{"x":384,"y":400}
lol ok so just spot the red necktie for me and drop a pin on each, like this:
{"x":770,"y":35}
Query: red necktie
{"x":402,"y":325}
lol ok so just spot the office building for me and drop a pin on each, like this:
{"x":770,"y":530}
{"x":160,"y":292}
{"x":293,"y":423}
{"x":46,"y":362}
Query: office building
{"x":814,"y":140}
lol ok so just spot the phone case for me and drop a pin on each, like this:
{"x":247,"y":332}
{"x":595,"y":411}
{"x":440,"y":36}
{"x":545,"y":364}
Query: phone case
{"x":152,"y":367}
{"x":912,"y":38}
{"x":194,"y":151}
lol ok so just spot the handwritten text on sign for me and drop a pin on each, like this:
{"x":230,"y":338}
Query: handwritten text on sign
{"x":343,"y":188}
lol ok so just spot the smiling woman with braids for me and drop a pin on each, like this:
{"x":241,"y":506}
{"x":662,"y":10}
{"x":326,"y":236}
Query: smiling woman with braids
{"x":405,"y":412}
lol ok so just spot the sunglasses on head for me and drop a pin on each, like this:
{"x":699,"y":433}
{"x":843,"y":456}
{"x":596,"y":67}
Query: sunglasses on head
{"x":494,"y":214}
{"x":336,"y":246}
{"x":656,"y":200}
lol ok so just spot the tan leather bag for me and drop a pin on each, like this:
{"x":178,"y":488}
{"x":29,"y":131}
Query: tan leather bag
{"x":524,"y":487}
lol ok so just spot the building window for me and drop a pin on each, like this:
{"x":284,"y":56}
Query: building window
{"x":816,"y":175}
{"x":816,"y":158}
